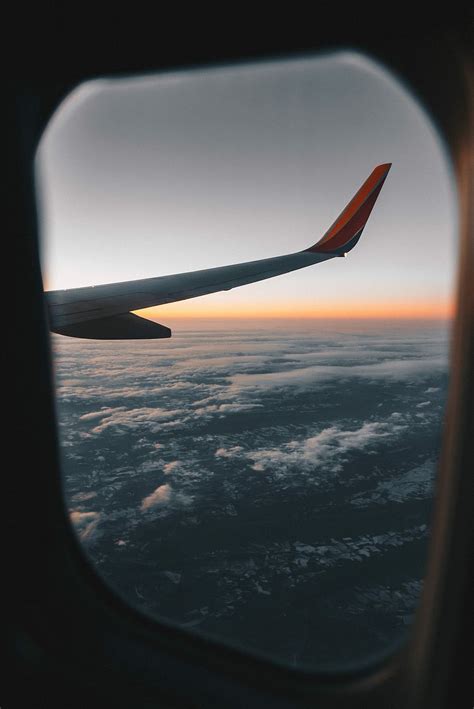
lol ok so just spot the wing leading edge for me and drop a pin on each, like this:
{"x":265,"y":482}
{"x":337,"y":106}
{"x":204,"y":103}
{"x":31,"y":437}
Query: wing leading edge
{"x":103,"y":312}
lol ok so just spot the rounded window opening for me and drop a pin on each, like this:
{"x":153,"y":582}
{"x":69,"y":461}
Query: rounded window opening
{"x":265,"y":475}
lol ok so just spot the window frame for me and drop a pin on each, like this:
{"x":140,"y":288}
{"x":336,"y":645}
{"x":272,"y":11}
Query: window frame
{"x":68,"y":633}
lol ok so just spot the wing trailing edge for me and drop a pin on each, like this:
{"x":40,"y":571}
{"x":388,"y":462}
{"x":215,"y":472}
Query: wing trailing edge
{"x":126,"y":326}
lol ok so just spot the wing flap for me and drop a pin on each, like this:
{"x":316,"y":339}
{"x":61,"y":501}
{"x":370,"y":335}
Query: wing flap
{"x":126,"y":326}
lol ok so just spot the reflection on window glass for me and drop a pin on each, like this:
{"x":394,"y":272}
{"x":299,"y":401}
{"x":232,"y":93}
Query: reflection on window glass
{"x":265,"y":476}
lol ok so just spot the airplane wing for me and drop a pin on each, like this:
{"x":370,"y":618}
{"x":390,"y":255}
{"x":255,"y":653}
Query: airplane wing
{"x":103,"y":312}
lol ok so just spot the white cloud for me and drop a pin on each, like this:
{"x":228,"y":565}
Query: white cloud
{"x":416,"y":483}
{"x":159,"y":496}
{"x":231,"y":452}
{"x":327,"y":449}
{"x":392,"y":369}
{"x":101,"y":413}
{"x":172,"y":576}
{"x":171,"y":467}
{"x":83,"y":496}
{"x":85,"y":524}
{"x":122,"y":418}
{"x":223,"y":409}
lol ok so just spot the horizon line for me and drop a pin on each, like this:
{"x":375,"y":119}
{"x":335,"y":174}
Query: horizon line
{"x":364,"y":312}
{"x":302,"y":317}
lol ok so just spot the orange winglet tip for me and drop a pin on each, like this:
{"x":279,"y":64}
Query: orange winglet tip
{"x":344,"y":234}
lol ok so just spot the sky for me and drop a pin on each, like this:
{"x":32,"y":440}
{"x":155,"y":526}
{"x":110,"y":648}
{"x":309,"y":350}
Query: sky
{"x":147,"y":176}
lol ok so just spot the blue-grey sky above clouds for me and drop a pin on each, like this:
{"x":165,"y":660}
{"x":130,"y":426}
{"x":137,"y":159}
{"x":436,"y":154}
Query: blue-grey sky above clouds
{"x":147,"y":176}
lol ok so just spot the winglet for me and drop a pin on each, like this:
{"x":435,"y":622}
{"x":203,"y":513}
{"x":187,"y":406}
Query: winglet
{"x":346,"y":231}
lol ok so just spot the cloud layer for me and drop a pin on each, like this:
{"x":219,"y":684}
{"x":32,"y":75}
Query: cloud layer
{"x":222,"y":474}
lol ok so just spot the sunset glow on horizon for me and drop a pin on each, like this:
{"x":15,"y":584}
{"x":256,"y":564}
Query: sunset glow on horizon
{"x":430,"y":310}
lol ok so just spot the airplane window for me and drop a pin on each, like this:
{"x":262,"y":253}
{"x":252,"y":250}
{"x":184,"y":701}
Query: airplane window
{"x":264,"y":475}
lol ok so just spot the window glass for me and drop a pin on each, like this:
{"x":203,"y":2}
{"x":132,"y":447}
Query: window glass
{"x":265,"y":476}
